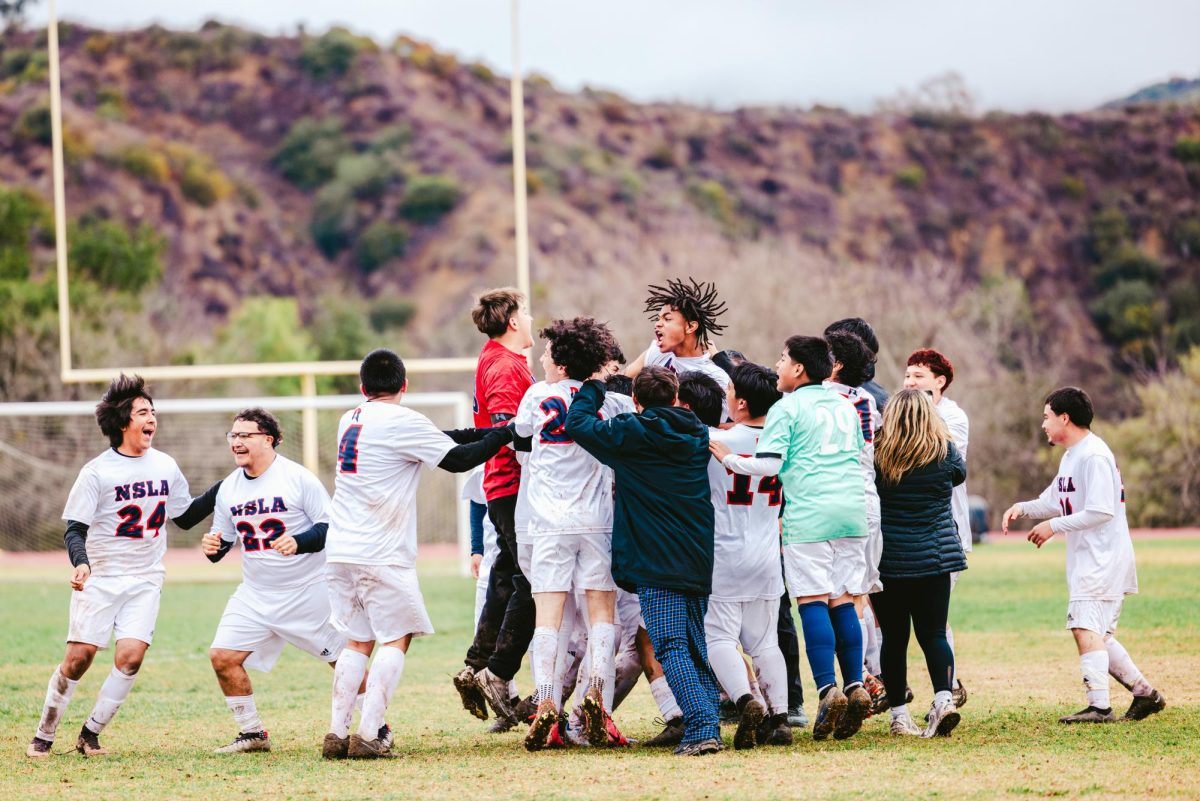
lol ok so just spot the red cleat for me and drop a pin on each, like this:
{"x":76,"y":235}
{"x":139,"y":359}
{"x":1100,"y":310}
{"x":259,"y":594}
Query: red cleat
{"x":554,"y":739}
{"x":615,"y":738}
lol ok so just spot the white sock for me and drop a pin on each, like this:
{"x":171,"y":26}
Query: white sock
{"x":729,"y":667}
{"x":1094,"y":666}
{"x":942,"y":697}
{"x":897,"y":711}
{"x":58,"y":695}
{"x":513,"y":690}
{"x":545,"y":658}
{"x":602,"y":645}
{"x":772,"y":678}
{"x":872,"y":642}
{"x":347,"y":678}
{"x":358,"y":704}
{"x":381,"y":683}
{"x":113,"y":693}
{"x":1122,"y":668}
{"x":665,"y":699}
{"x":245,"y":713}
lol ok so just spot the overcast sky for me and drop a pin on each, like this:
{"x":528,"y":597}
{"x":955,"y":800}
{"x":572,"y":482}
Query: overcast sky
{"x":1053,"y":55}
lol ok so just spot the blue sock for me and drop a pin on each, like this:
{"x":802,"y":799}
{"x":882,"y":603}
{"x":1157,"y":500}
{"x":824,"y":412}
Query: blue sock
{"x":849,"y":642}
{"x":819,"y":641}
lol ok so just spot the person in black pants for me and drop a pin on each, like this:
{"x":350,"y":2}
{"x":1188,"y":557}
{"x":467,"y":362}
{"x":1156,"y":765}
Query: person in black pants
{"x":916,"y":467}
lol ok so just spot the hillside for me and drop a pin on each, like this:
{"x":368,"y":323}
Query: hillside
{"x":235,"y":196}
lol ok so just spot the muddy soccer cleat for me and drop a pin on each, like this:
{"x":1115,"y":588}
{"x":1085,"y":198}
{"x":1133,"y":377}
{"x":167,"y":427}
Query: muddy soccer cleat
{"x":88,"y":743}
{"x":385,"y":736}
{"x":39,"y":748}
{"x":796,"y":717}
{"x":710,"y":746}
{"x":1144,"y":706}
{"x":774,"y":730}
{"x":614,"y":738}
{"x":829,"y":713}
{"x":495,"y":691}
{"x":959,"y":694}
{"x":879,"y":701}
{"x":468,"y":690}
{"x":334,"y":747}
{"x":904,"y":726}
{"x":670,"y":736}
{"x":367,"y":749}
{"x":752,"y":714}
{"x":593,"y":717}
{"x":858,"y":709}
{"x":942,"y":720}
{"x":554,"y":740}
{"x":544,"y":720}
{"x":1090,"y":715}
{"x":245,"y":742}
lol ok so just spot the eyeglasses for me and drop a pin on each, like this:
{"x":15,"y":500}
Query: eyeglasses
{"x":234,"y":436}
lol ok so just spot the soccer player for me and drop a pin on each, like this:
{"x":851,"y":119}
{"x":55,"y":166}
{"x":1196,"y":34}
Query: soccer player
{"x":371,"y":546}
{"x":662,"y":549}
{"x":279,"y":512}
{"x":116,"y":536}
{"x":1087,"y":503}
{"x":570,"y":526}
{"x":930,"y":371}
{"x":863,"y":330}
{"x":747,"y":582}
{"x":813,"y":441}
{"x":505,"y":626}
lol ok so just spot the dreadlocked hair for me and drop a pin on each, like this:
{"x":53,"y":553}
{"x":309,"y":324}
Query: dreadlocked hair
{"x":697,"y":303}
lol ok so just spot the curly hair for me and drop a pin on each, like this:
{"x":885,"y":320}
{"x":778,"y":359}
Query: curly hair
{"x":116,"y":404}
{"x":266,"y":422}
{"x":935,"y":361}
{"x":697,"y":303}
{"x":852,"y":354}
{"x":581,"y":346}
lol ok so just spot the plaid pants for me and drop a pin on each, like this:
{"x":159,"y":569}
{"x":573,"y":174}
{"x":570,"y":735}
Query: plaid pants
{"x":675,"y":623}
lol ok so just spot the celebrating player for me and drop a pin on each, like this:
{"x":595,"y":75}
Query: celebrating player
{"x":1087,"y":503}
{"x":279,"y":512}
{"x":116,"y":536}
{"x":372,"y":544}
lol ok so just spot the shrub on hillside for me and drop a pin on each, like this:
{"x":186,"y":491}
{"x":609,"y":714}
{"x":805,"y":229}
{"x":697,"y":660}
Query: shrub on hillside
{"x":1127,"y":263}
{"x":144,"y":162}
{"x":910,"y":177}
{"x":380,"y":243}
{"x":1187,"y":149}
{"x":331,"y":54}
{"x":391,"y":313}
{"x":334,"y":220}
{"x":366,"y":175}
{"x":310,"y":151}
{"x":116,"y":257}
{"x":662,"y":157}
{"x":21,"y":212}
{"x":34,"y":125}
{"x":23,"y":66}
{"x":712,"y":198}
{"x":1185,"y":236}
{"x":429,"y":197}
{"x":1107,"y":229}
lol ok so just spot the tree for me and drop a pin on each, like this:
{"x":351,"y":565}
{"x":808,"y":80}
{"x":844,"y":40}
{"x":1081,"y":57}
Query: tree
{"x":13,"y":11}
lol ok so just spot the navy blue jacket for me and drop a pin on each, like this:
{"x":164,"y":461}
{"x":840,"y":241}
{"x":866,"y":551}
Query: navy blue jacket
{"x":920,"y":538}
{"x":663,"y":514}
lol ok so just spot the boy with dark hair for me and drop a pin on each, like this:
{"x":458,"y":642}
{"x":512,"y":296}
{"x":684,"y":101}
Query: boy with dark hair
{"x":705,"y":397}
{"x":863,"y":330}
{"x":116,"y":537}
{"x":812,"y":440}
{"x":506,"y":624}
{"x":663,"y":550}
{"x":1086,"y":502}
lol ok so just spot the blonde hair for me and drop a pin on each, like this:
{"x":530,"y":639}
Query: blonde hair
{"x":912,"y":435}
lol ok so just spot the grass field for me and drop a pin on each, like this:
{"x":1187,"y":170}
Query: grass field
{"x":1014,"y":656}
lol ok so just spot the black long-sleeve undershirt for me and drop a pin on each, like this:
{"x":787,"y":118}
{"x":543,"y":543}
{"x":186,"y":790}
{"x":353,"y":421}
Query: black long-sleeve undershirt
{"x":76,"y":539}
{"x":312,"y":540}
{"x":199,"y":509}
{"x":466,"y":456}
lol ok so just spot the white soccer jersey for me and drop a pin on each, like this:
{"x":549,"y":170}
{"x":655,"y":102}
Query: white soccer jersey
{"x":285,"y":499}
{"x":746,"y":562}
{"x":373,"y":515}
{"x":126,"y":502}
{"x":568,"y":490}
{"x":1100,"y":564}
{"x":690,"y":364}
{"x":869,"y":418}
{"x":960,"y":428}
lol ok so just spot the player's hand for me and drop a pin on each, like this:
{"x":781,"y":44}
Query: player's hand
{"x":1011,"y":514}
{"x":285,"y":545}
{"x":79,"y":576}
{"x":1040,"y":534}
{"x":476,"y":561}
{"x":718,"y":449}
{"x":210,"y":543}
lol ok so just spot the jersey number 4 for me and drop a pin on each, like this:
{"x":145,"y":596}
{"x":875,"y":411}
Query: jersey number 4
{"x":741,"y":495}
{"x":348,"y":450}
{"x":131,"y":521}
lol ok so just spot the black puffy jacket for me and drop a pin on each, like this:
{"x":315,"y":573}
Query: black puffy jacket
{"x":920,"y":538}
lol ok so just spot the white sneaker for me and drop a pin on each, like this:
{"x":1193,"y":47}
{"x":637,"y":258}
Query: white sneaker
{"x":246,"y":741}
{"x":942,"y":720}
{"x":904,"y":725}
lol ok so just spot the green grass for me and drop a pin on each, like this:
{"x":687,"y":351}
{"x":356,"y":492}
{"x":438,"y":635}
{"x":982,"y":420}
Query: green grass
{"x":1015,"y":658}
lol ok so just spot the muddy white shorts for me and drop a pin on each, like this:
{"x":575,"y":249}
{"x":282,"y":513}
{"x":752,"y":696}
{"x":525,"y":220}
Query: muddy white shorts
{"x":833,"y":567}
{"x":376,"y":602}
{"x":752,"y":624}
{"x":263,"y":621}
{"x":565,"y":562}
{"x":1098,"y":616}
{"x":114,"y":607}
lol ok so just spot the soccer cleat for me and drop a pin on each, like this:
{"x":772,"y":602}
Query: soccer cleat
{"x":942,"y":720}
{"x":39,"y":748}
{"x":747,"y":729}
{"x":858,"y":709}
{"x":710,"y":746}
{"x":525,"y":708}
{"x":671,"y":735}
{"x":1144,"y":706}
{"x":774,"y":730}
{"x":727,"y":712}
{"x":367,"y":749}
{"x":246,"y":741}
{"x":593,"y":717}
{"x":829,"y":712}
{"x":88,"y":743}
{"x":908,"y":695}
{"x":554,"y":740}
{"x":545,"y":720}
{"x":959,"y":694}
{"x":904,"y":725}
{"x":879,"y":701}
{"x":1090,"y":715}
{"x":796,"y":718}
{"x":335,"y":747}
{"x":495,"y":691}
{"x":615,"y":738}
{"x":468,"y":690}
{"x":385,"y":736}
{"x":573,"y":733}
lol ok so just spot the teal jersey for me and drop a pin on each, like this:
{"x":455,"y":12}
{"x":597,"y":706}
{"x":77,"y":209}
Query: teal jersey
{"x":816,"y":432}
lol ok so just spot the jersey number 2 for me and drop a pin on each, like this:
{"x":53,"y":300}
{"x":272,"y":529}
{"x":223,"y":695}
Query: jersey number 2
{"x":348,"y":450}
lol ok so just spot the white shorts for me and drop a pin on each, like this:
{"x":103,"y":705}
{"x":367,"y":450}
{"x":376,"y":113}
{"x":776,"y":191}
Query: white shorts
{"x":629,"y":613}
{"x":376,"y":602}
{"x":833,"y":567}
{"x":119,"y":607}
{"x":1098,"y":616}
{"x":754,"y":624}
{"x":874,"y":553}
{"x":565,"y":562}
{"x":263,"y":621}
{"x":525,"y":557}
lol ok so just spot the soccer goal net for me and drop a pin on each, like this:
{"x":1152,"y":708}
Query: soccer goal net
{"x":44,"y":445}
